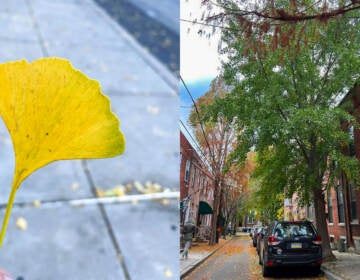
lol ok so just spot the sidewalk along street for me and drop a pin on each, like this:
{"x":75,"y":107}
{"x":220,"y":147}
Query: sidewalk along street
{"x":51,"y":237}
{"x":198,"y":253}
{"x":345,"y":267}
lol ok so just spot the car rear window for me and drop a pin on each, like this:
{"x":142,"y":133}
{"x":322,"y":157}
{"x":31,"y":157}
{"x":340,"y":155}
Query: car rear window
{"x":284,"y":230}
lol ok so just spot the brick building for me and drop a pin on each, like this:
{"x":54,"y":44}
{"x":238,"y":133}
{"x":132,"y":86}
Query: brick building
{"x":343,"y":200}
{"x":196,"y":188}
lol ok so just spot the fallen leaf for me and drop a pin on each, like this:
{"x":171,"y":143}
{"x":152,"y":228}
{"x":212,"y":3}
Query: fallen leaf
{"x":168,"y":273}
{"x":99,"y":192}
{"x":165,"y":201}
{"x":116,"y":191}
{"x":21,"y":223}
{"x":54,"y":112}
{"x":36,"y":203}
{"x":139,"y":187}
{"x":128,"y":187}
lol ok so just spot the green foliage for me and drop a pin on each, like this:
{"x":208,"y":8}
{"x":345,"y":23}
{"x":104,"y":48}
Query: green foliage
{"x":285,"y":103}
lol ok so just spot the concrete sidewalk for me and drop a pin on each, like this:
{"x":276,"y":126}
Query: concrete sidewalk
{"x":91,"y":240}
{"x":346,"y":267}
{"x":197,"y":257}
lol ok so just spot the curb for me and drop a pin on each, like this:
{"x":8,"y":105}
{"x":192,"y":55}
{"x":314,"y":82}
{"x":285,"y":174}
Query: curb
{"x":330,"y":275}
{"x":155,"y":64}
{"x":196,"y":264}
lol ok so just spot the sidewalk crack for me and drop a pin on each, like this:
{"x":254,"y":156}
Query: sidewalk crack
{"x":107,"y":222}
{"x":37,"y":29}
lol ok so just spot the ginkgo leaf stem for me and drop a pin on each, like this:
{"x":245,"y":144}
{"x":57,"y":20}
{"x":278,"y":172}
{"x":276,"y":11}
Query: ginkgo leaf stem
{"x":8,"y":209}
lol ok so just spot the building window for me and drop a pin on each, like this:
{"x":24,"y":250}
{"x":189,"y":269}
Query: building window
{"x":187,"y":171}
{"x":352,"y":141}
{"x":340,"y":202}
{"x":354,"y":216}
{"x":330,"y":208}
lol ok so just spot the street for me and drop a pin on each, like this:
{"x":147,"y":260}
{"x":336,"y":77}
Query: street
{"x":230,"y":262}
{"x":238,"y":259}
{"x":156,"y":27}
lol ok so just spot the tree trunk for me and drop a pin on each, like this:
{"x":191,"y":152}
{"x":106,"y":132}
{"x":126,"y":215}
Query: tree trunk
{"x":214,"y":221}
{"x":321,"y":225}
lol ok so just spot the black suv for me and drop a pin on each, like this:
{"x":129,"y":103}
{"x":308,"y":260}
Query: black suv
{"x":290,"y":244}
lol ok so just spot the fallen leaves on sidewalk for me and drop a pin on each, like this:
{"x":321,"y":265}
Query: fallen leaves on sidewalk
{"x":116,"y":191}
{"x":205,"y":247}
{"x":120,"y":190}
{"x":255,"y":268}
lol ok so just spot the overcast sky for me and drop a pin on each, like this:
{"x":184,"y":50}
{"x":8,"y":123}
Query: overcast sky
{"x":199,"y":58}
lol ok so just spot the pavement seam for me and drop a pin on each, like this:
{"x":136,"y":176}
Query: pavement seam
{"x":107,"y":223}
{"x":154,"y":63}
{"x":98,"y":200}
{"x":37,"y":29}
{"x":196,"y":264}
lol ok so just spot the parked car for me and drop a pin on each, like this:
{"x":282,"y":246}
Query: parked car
{"x":252,"y":229}
{"x":290,"y":244}
{"x":254,"y":234}
{"x":259,"y":238}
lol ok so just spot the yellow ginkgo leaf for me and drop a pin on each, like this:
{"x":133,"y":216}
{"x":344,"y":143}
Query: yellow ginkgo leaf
{"x":54,"y":112}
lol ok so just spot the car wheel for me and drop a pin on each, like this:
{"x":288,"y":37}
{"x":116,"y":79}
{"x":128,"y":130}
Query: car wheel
{"x":265,"y":269}
{"x":316,"y":270}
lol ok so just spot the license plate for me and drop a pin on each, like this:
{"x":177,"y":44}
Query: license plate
{"x":296,"y":245}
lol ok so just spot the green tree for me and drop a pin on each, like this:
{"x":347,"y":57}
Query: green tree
{"x":285,"y":104}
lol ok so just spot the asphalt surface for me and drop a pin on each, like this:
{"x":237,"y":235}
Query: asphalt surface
{"x":232,"y":261}
{"x":157,"y":28}
{"x":237,"y":259}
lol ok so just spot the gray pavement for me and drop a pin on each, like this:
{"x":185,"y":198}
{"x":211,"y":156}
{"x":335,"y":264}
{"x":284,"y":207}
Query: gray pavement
{"x":346,"y":267}
{"x":136,"y":240}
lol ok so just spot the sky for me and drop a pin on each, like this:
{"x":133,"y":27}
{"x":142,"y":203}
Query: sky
{"x":199,"y":58}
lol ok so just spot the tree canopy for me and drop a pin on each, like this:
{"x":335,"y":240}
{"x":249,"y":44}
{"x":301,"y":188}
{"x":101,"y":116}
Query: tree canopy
{"x":286,"y":21}
{"x":285,"y":102}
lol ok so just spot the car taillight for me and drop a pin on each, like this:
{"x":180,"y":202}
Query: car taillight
{"x":317,"y":240}
{"x":272,"y":241}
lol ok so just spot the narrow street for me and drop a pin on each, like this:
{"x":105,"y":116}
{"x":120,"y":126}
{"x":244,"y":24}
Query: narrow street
{"x":238,"y":259}
{"x":230,"y":262}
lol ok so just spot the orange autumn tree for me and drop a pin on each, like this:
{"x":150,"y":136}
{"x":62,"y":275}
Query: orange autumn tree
{"x":216,"y":137}
{"x":286,"y":21}
{"x":236,"y":191}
